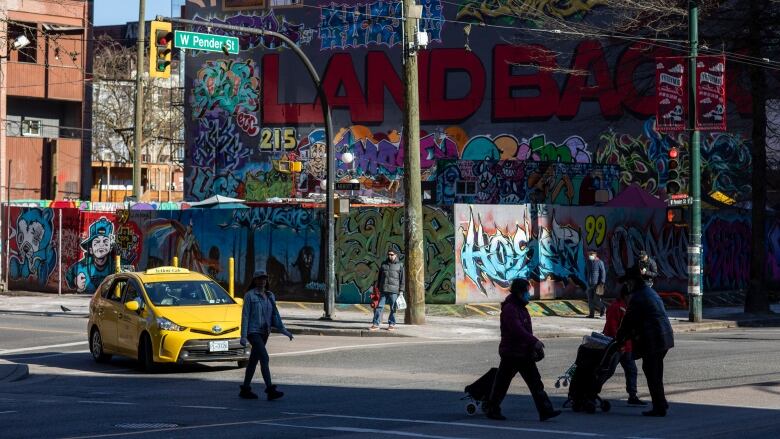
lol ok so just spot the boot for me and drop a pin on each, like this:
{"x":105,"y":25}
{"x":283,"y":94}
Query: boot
{"x":273,"y":393}
{"x":246,"y":393}
{"x":544,"y":406}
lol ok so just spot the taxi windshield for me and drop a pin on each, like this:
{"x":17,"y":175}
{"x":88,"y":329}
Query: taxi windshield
{"x":187,"y":293}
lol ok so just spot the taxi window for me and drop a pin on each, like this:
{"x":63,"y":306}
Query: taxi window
{"x":187,"y":293}
{"x":131,"y":292}
{"x":104,"y":289}
{"x":115,"y":293}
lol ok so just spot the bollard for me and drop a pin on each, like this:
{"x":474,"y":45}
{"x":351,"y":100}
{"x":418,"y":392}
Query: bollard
{"x":118,"y":263}
{"x":175,"y":261}
{"x":231,"y":280}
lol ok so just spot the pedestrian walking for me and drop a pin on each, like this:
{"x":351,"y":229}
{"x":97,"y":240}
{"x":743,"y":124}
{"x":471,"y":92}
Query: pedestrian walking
{"x":647,"y":325}
{"x":390,"y":283}
{"x":648,"y":268}
{"x":519,"y":351}
{"x":258,"y":316}
{"x":615,"y":314}
{"x":596,"y":276}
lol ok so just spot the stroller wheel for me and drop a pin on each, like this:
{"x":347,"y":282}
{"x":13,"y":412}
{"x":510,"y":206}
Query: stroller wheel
{"x":576,"y":406}
{"x":605,"y":406}
{"x":590,"y":407}
{"x":558,"y":384}
{"x":471,"y":409}
{"x":565,"y":383}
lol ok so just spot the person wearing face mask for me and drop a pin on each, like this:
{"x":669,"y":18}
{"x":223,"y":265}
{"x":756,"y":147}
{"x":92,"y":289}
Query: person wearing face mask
{"x":596,"y":276}
{"x":390,"y":284}
{"x":647,"y":325}
{"x":519,"y":351}
{"x":648,"y":268}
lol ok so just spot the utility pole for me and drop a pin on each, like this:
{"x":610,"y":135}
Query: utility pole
{"x":414,"y":264}
{"x":139,"y":100}
{"x":694,"y":243}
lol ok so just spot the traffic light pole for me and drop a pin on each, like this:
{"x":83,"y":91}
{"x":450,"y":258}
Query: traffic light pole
{"x":139,"y":101}
{"x":694,"y":244}
{"x":330,"y":299}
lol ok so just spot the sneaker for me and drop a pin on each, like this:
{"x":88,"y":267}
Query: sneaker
{"x":373,"y":328}
{"x":634,"y":400}
{"x":246,"y":393}
{"x":273,"y":393}
{"x":496,"y":415}
{"x":549,"y":415}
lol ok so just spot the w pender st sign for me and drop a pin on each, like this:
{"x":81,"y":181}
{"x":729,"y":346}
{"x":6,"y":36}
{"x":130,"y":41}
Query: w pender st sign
{"x":206,"y":42}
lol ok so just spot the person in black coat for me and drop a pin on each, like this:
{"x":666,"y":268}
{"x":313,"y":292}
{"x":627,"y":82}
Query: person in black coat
{"x":647,"y":326}
{"x":648,"y":268}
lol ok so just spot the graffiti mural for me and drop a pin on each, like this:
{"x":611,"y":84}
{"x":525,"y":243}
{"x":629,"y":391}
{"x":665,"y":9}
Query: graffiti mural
{"x":378,"y":23}
{"x":34,"y":256}
{"x":363,"y":238}
{"x":268,"y":21}
{"x":230,"y":85}
{"x":87,"y":273}
{"x":547,"y":244}
{"x":511,"y":11}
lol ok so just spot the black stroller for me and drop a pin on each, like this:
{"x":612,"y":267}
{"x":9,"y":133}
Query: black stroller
{"x":597,"y":358}
{"x":478,"y":392}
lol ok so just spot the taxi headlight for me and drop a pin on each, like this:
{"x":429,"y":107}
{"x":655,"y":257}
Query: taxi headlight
{"x":167,"y":325}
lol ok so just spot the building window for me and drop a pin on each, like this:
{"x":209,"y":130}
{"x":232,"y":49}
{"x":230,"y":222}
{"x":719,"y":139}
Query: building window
{"x":29,"y":53}
{"x":31,"y":127}
{"x":466,"y":188}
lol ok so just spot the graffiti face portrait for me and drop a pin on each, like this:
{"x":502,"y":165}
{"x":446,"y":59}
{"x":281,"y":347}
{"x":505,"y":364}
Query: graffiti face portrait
{"x":29,"y":237}
{"x":101,"y":247}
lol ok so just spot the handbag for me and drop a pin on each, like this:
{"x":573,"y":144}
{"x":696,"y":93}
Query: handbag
{"x":374,"y":297}
{"x":400,"y":302}
{"x":600,"y":290}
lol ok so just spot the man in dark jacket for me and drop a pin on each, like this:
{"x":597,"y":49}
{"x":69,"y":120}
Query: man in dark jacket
{"x":647,"y":326}
{"x":596,"y":276}
{"x":391,"y":285}
{"x":519,"y":351}
{"x":648,"y":268}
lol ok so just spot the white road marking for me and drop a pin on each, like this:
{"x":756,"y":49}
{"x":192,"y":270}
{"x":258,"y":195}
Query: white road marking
{"x":17,"y":328}
{"x":204,"y":407}
{"x":460,"y":424}
{"x":9,"y":411}
{"x":369,"y":346}
{"x":107,"y":402}
{"x":190,"y":427}
{"x":51,"y":355}
{"x":364,"y":430}
{"x":39,"y":348}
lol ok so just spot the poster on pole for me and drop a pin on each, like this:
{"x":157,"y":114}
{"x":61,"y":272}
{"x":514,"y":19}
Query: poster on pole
{"x":711,"y":93}
{"x":671,"y":96}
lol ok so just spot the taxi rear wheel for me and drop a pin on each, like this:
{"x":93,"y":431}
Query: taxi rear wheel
{"x":96,"y":347}
{"x":145,"y":358}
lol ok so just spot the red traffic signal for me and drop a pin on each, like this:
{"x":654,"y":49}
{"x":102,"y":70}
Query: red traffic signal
{"x":674,"y":152}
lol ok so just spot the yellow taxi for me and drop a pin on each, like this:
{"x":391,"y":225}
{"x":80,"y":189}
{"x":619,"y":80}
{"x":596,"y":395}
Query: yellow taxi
{"x":165,"y":315}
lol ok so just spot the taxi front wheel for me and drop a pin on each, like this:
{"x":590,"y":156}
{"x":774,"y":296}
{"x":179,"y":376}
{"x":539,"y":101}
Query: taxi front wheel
{"x":145,"y":357}
{"x":96,"y":347}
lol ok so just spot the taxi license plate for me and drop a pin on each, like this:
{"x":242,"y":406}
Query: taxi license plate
{"x":218,"y":346}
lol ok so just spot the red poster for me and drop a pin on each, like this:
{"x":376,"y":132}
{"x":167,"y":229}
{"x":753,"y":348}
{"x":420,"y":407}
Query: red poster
{"x":671,"y":97}
{"x":711,"y":93}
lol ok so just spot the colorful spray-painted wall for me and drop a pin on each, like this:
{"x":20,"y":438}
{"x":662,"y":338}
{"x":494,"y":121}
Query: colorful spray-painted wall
{"x":484,"y":94}
{"x":40,"y":256}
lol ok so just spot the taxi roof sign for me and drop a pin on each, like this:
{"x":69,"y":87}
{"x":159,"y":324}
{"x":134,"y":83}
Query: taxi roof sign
{"x":167,"y":270}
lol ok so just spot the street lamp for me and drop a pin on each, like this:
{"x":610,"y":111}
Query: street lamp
{"x":330,"y":300}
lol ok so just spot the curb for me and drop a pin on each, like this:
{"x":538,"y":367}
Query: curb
{"x":11,"y":372}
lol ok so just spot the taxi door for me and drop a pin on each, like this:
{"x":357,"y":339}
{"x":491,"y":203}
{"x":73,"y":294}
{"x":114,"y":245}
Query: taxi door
{"x":129,"y":323}
{"x":109,"y":313}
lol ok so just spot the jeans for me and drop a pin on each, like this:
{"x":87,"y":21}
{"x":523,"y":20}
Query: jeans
{"x":653,"y":367}
{"x":507,"y":370}
{"x":259,"y":353}
{"x":594,"y":301}
{"x":386,"y":297}
{"x":629,"y":367}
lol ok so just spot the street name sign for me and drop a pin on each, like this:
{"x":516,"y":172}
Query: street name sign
{"x":687,"y":201}
{"x":206,"y":42}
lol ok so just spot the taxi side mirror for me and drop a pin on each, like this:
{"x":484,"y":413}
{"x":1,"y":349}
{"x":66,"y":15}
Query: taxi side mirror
{"x":132,"y":306}
{"x":239,"y":300}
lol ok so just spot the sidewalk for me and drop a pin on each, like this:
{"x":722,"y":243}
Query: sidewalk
{"x":565,"y":318}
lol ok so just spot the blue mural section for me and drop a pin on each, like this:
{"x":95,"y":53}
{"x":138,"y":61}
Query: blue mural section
{"x":34,"y":258}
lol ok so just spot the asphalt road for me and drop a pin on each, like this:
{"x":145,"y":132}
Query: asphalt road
{"x":720,"y":384}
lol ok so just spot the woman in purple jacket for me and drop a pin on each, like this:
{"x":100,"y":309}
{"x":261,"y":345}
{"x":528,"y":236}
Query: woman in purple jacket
{"x":519,"y":351}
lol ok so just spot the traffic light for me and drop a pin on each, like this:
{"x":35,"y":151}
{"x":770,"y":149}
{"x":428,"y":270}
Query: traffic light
{"x":676,"y":215}
{"x":160,"y":50}
{"x":673,"y":176}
